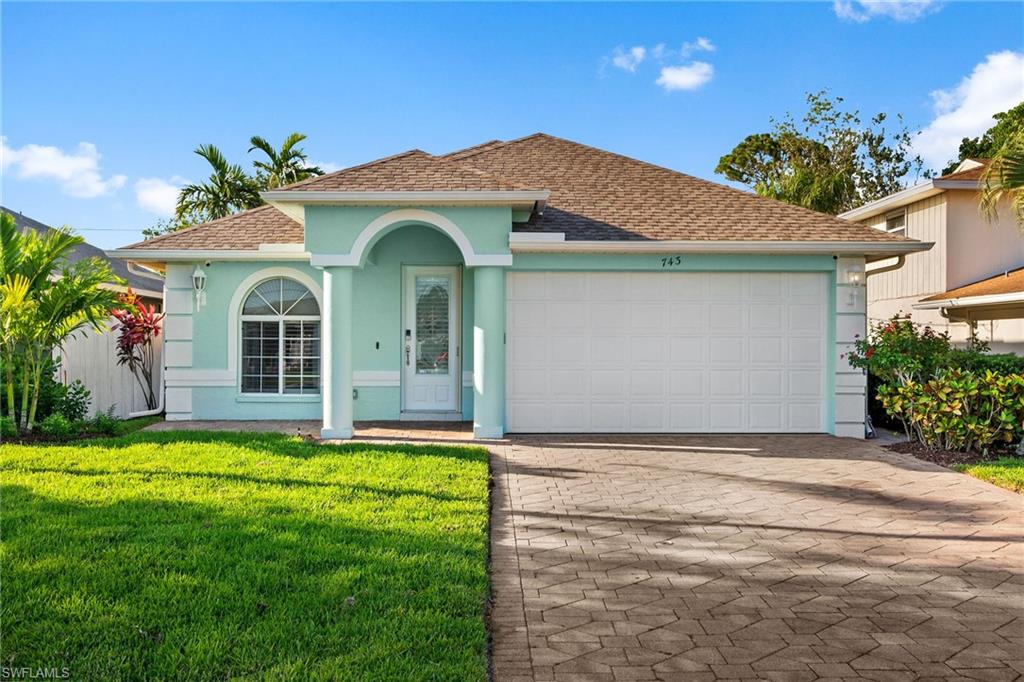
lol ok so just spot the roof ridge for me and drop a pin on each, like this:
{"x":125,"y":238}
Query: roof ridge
{"x":654,"y":166}
{"x":471,"y":149}
{"x":193,"y":228}
{"x":383,"y":159}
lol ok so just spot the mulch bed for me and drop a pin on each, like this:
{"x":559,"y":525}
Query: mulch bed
{"x":946,"y":458}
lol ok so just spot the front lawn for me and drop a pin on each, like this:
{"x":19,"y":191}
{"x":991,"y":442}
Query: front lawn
{"x":1007,"y":472}
{"x":215,"y":555}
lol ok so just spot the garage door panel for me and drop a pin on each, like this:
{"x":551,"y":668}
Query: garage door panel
{"x":667,"y":352}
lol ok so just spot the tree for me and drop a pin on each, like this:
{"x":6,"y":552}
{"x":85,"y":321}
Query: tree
{"x":1008,"y":124}
{"x":829,"y":161}
{"x":284,"y":166}
{"x":228,"y":190}
{"x":1004,"y":179}
{"x":44,"y":300}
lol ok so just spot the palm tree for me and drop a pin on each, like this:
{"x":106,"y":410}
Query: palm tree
{"x":284,"y":166}
{"x":44,"y":301}
{"x":1004,"y":179}
{"x":228,"y":190}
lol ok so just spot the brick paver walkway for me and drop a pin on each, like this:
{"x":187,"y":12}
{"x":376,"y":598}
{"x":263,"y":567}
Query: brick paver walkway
{"x":784,"y":558}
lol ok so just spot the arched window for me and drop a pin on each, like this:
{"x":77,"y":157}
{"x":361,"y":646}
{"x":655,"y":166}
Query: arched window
{"x":281,"y":339}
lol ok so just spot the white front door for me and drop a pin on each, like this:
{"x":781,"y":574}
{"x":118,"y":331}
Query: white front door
{"x":431,"y":364}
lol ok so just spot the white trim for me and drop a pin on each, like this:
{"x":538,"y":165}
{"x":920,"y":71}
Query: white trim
{"x":167,"y":255}
{"x":235,"y":309}
{"x":918,"y":192}
{"x":722,"y":246}
{"x":972,"y":301}
{"x":446,"y":198}
{"x":183,"y":376}
{"x":429,"y":416}
{"x":534,"y":237}
{"x":283,"y":248}
{"x":357,"y":254}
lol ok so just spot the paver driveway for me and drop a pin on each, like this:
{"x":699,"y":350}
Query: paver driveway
{"x":789,"y":558}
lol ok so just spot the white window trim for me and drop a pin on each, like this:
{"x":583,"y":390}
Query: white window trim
{"x":894,"y":214}
{"x":242,"y":292}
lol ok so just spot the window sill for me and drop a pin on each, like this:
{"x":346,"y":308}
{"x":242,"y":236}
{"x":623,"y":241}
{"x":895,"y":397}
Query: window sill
{"x":276,"y":398}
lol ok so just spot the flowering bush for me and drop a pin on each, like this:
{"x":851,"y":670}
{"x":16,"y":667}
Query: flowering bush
{"x":138,"y":326}
{"x":898,"y":351}
{"x":958,"y":410}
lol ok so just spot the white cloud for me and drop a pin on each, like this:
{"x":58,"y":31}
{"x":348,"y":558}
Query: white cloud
{"x":701,"y":44}
{"x":686,"y":77}
{"x":966,"y":110}
{"x":157,"y":195}
{"x":327,"y":166}
{"x":77,"y":172}
{"x":897,"y":10}
{"x":628,"y":60}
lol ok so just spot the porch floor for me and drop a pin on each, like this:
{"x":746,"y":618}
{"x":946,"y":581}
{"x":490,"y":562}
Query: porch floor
{"x":366,"y":431}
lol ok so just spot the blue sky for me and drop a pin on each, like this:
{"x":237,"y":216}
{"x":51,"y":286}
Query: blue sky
{"x":102,"y":104}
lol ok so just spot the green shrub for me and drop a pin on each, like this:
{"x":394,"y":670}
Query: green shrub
{"x":57,"y":426}
{"x":898,"y":351}
{"x":957,"y":410}
{"x":978,"y":361}
{"x":105,"y":423}
{"x":7,"y":427}
{"x":73,"y":400}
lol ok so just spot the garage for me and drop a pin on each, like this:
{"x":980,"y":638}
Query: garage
{"x":676,"y":352}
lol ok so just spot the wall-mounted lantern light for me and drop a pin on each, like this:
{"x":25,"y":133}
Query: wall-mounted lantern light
{"x":199,"y":286}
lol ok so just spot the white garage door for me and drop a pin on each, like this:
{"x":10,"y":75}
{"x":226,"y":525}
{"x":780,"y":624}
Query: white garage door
{"x":666,"y":352}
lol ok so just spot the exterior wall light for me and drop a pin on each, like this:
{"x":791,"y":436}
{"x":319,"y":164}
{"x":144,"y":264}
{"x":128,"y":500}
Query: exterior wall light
{"x":199,"y":286}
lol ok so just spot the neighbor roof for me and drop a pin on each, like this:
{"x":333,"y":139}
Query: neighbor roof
{"x":974,"y":172}
{"x":1011,"y":282}
{"x":85,"y":250}
{"x":594,"y":195}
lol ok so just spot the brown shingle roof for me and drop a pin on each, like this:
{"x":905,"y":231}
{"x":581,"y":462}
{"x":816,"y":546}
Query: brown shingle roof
{"x":970,"y":173}
{"x":595,"y":195}
{"x":241,"y":231}
{"x":1011,"y":282}
{"x":411,"y":171}
{"x":598,"y":195}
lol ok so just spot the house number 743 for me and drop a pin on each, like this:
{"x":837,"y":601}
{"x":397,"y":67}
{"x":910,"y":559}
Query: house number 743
{"x":671,"y":261}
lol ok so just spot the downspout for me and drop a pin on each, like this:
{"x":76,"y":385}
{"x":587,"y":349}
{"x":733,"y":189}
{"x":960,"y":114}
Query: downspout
{"x":900,"y":261}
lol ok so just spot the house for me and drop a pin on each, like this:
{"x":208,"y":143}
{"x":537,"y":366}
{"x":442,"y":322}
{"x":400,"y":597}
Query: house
{"x":534,"y":285}
{"x":970,"y":283}
{"x":92,"y":358}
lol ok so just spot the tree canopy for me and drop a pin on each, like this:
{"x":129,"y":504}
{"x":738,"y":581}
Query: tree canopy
{"x":987,"y":145}
{"x":829,"y":160}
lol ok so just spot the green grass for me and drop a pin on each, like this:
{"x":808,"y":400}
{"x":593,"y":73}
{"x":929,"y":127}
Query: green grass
{"x":195,"y":555}
{"x":129,"y":426}
{"x":1007,"y":472}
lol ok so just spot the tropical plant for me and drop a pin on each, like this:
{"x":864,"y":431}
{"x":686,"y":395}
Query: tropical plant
{"x":829,"y":161}
{"x":228,"y":190}
{"x":73,"y":400}
{"x":44,"y":300}
{"x":284,"y":166}
{"x":962,"y":411}
{"x":898,"y":351}
{"x":1004,"y":180}
{"x":138,"y":326}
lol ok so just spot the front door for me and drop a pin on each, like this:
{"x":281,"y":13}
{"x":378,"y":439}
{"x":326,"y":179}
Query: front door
{"x":431,"y":365}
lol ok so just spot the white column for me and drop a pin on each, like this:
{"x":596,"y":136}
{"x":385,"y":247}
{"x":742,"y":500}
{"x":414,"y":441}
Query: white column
{"x":336,"y":353}
{"x":488,"y":352}
{"x":851,"y":324}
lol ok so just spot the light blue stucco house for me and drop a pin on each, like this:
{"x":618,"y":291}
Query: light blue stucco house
{"x":536,"y":285}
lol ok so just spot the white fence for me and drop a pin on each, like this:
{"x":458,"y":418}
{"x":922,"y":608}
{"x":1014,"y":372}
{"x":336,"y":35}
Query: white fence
{"x":92,"y":359}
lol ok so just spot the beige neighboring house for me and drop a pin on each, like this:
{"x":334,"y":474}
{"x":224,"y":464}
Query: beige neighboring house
{"x":971,"y":281}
